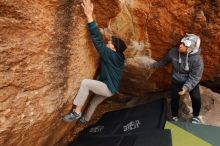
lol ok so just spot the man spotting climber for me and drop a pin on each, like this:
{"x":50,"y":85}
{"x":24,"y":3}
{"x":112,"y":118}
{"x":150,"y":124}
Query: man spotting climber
{"x":187,"y":69}
{"x":111,"y":68}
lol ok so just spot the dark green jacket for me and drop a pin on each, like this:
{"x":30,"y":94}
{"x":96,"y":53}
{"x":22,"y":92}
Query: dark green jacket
{"x":112,"y":64}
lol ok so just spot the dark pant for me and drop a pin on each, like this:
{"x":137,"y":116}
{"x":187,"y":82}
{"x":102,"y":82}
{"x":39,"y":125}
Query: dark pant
{"x":194,"y":94}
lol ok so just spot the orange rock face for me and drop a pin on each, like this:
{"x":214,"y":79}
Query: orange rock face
{"x":151,"y":28}
{"x":169,"y":20}
{"x":45,"y":52}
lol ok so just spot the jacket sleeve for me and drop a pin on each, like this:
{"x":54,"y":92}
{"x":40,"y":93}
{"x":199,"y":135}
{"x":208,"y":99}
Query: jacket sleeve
{"x":97,"y":40}
{"x":164,"y":61}
{"x":195,"y":75}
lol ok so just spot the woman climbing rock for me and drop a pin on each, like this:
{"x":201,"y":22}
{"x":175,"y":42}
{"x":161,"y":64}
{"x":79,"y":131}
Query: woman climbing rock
{"x":111,"y":68}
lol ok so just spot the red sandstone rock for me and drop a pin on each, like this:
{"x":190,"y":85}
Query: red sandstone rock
{"x":44,"y":53}
{"x":159,"y":26}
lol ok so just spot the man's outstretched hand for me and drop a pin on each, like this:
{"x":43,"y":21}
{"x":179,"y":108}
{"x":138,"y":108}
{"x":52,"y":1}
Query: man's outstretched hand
{"x":88,"y":9}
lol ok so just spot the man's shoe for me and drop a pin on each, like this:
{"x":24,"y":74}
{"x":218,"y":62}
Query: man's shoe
{"x":73,"y":116}
{"x":83,"y":121}
{"x":175,"y":119}
{"x":196,"y":120}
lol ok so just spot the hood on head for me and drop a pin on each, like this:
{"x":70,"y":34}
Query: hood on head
{"x":192,"y":42}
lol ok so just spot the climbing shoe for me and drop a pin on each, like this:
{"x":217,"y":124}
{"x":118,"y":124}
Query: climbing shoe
{"x":196,"y":120}
{"x":175,"y":119}
{"x":83,"y":121}
{"x":73,"y":116}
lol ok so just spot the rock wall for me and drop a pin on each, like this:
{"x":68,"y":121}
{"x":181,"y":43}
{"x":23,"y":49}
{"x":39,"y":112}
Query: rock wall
{"x":44,"y":55}
{"x":151,"y":28}
{"x":45,"y":52}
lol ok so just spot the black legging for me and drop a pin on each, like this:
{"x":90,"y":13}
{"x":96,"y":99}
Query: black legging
{"x":176,"y":87}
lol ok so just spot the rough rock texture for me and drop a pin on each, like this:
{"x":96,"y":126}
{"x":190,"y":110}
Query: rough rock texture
{"x":45,"y":52}
{"x":151,"y":28}
{"x":213,"y":84}
{"x":44,"y":55}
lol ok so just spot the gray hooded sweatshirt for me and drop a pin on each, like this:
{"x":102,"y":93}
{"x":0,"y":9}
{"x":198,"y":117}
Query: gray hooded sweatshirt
{"x":185,"y":69}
